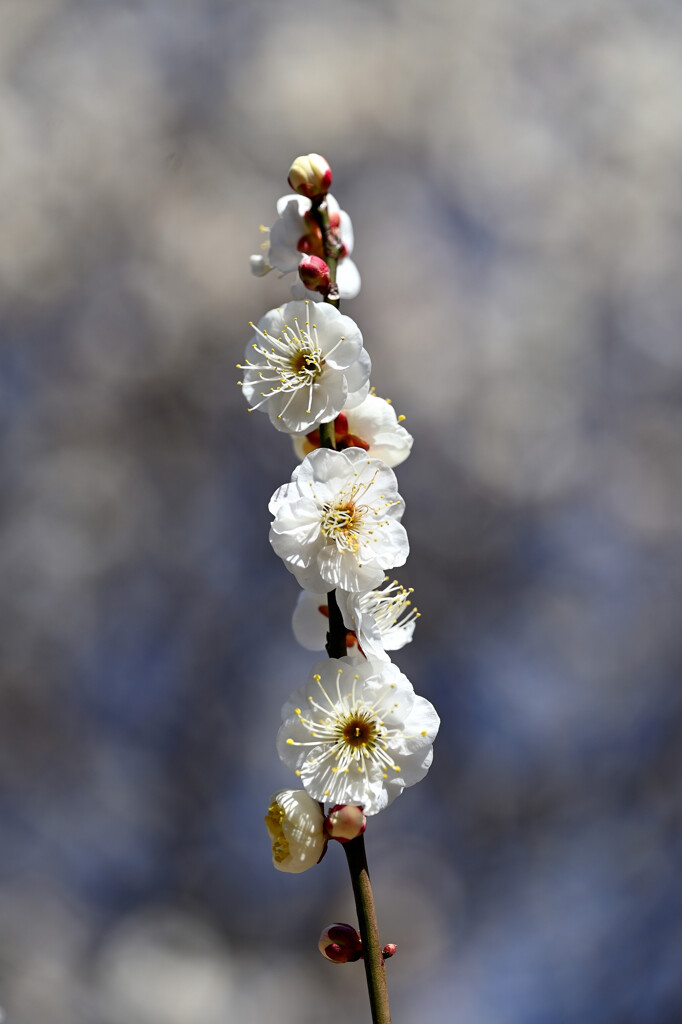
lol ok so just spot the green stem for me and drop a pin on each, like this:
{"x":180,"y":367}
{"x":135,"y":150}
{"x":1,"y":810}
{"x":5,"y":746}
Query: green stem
{"x":328,"y":435}
{"x":332,"y":248}
{"x":336,"y":635}
{"x":369,"y":931}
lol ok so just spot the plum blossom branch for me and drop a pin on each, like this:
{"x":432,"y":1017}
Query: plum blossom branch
{"x":355,"y":734}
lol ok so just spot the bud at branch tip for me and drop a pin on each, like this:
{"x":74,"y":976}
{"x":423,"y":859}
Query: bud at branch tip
{"x":310,"y":176}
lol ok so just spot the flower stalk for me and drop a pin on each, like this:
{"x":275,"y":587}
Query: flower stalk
{"x":375,"y":970}
{"x":333,"y":247}
{"x":336,"y":634}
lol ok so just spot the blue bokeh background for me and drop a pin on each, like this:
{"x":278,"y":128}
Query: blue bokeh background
{"x":513,"y":174}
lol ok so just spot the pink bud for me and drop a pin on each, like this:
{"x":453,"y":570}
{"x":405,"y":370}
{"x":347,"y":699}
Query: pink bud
{"x":314,"y":273}
{"x":340,"y":943}
{"x":310,"y":176}
{"x":389,"y":949}
{"x":345,"y":822}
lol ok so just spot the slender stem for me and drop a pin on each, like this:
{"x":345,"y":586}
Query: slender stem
{"x":333,"y":247}
{"x":328,"y":435}
{"x":336,"y":636}
{"x":369,"y":931}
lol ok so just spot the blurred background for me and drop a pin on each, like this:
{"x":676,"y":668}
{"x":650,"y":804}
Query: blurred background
{"x":513,"y":173}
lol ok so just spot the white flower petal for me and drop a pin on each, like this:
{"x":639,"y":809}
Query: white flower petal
{"x":357,"y":396}
{"x":292,"y":199}
{"x":357,"y":376}
{"x":284,"y":236}
{"x":345,"y":228}
{"x":348,"y":279}
{"x":307,"y":578}
{"x":309,"y":623}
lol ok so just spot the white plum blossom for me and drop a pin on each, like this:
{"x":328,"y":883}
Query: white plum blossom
{"x":382,"y":620}
{"x":357,"y":733}
{"x":372,"y":425}
{"x":337,"y":521}
{"x":306,"y":363}
{"x":377,"y":620}
{"x":295,"y":234}
{"x":295,"y":824}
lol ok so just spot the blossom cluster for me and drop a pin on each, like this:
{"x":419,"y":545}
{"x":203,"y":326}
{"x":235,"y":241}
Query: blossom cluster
{"x":355,"y":733}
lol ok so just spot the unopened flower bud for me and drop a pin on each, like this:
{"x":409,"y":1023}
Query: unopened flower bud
{"x":259,"y":265}
{"x":345,"y":822}
{"x":340,"y":943}
{"x":314,"y":273}
{"x":389,"y":950}
{"x":310,"y":175}
{"x":295,"y":824}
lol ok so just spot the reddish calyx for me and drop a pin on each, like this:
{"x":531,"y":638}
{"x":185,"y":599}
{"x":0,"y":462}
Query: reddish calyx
{"x":342,"y":436}
{"x":311,"y":241}
{"x":351,"y":636}
{"x":345,"y":822}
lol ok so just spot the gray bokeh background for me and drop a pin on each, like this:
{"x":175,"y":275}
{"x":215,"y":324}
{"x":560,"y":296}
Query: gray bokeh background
{"x":513,"y":174}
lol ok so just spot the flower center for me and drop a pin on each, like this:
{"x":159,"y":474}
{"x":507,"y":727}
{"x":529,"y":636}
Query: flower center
{"x":340,"y":523}
{"x":359,"y":730}
{"x":306,"y":362}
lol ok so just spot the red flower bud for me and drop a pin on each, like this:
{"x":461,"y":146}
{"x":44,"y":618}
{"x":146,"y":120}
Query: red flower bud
{"x":311,"y":241}
{"x":310,"y":176}
{"x":314,"y":273}
{"x":389,"y":950}
{"x":340,"y":943}
{"x":345,"y":822}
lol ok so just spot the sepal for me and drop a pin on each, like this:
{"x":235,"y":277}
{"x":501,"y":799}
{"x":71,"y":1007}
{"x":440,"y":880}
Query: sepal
{"x":345,"y":822}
